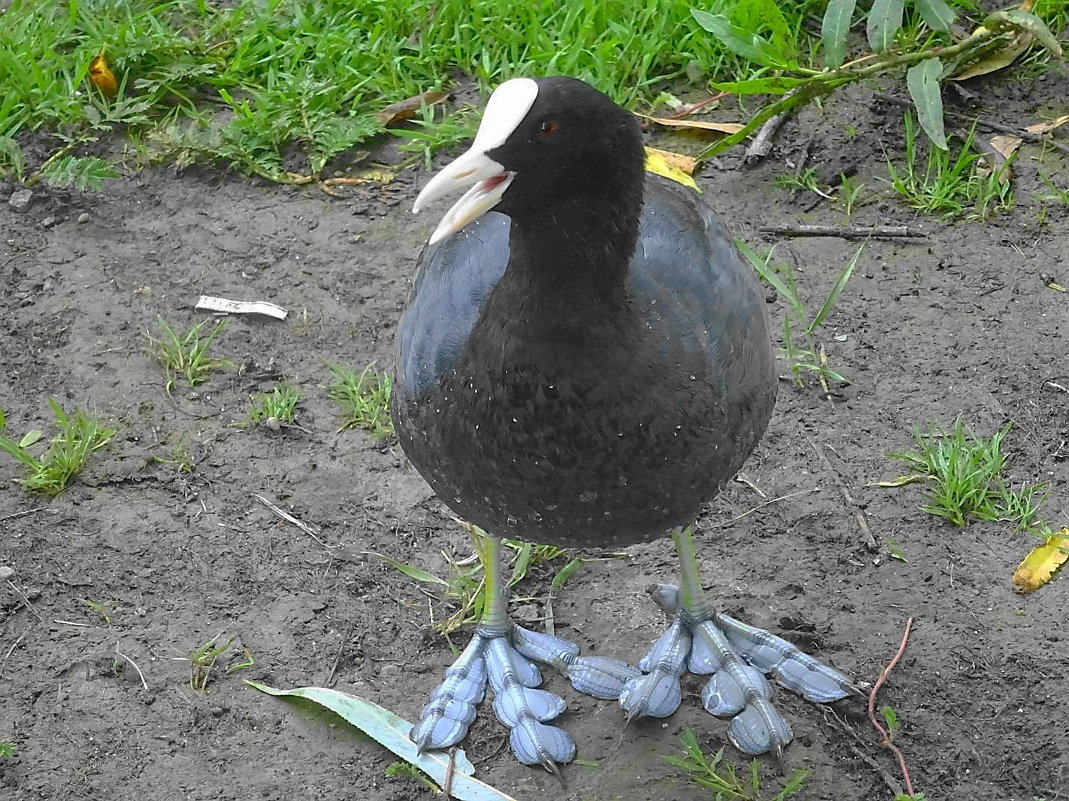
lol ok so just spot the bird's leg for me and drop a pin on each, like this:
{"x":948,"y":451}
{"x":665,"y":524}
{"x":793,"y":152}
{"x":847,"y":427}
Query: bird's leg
{"x":491,"y":658}
{"x":737,"y":655}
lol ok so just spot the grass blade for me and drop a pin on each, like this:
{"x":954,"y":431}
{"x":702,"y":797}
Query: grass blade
{"x":922,"y":80}
{"x":565,"y":573}
{"x":418,"y":573}
{"x":885,"y":19}
{"x":833,"y":295}
{"x":391,"y":731}
{"x":745,"y":43}
{"x":834,"y":29}
{"x":763,"y":269}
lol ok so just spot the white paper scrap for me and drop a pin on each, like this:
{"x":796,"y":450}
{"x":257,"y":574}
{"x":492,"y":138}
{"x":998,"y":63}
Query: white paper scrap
{"x":227,"y":306}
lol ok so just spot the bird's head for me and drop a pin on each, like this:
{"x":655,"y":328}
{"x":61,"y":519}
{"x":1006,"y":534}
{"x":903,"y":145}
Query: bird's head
{"x":549,"y":146}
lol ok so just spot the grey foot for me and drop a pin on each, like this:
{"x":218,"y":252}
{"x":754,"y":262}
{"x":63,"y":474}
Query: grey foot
{"x":507,"y":663}
{"x":738,"y":657}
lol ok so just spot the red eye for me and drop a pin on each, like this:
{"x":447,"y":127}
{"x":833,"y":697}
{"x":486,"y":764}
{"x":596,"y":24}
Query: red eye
{"x":547,"y":128}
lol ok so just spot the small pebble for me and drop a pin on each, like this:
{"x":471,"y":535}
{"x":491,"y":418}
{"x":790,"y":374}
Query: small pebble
{"x":48,"y":221}
{"x":83,"y":217}
{"x":20,"y":199}
{"x":6,"y":572}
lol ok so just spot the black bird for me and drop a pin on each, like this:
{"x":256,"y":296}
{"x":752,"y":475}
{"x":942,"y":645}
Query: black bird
{"x":586,"y":366}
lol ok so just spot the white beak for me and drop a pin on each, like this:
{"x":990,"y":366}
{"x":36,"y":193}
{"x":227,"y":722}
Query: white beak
{"x":485,"y":179}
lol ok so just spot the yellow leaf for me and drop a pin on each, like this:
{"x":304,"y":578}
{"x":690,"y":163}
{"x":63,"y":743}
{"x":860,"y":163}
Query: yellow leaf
{"x":901,"y":481}
{"x":673,"y":166}
{"x":726,"y":128}
{"x":1042,"y":562}
{"x":101,"y":76}
{"x":997,"y":60}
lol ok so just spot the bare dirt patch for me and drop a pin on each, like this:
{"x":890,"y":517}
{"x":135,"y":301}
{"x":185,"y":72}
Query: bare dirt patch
{"x":960,"y":323}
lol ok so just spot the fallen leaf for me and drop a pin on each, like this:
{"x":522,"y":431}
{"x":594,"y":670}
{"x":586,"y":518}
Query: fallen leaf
{"x":674,"y":166}
{"x":996,"y":154}
{"x":1042,"y":562}
{"x":996,"y":60}
{"x":726,"y":128}
{"x":406,"y":109}
{"x":1047,"y":127}
{"x":391,"y":731}
{"x":901,"y":481}
{"x":101,"y":76}
{"x":1006,"y":144}
{"x":1050,"y":283}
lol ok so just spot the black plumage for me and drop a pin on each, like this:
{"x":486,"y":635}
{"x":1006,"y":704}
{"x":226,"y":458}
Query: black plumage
{"x":590,"y":373}
{"x":586,"y":366}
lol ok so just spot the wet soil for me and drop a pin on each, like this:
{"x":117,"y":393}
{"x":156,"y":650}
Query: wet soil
{"x":960,"y":323}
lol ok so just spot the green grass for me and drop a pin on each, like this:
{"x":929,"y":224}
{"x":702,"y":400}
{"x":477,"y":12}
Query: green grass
{"x":7,"y":748}
{"x":363,"y":398}
{"x":464,"y":584}
{"x":184,"y":355}
{"x":949,"y":185}
{"x":809,"y":357}
{"x":276,"y":408}
{"x":202,"y":661}
{"x":407,"y":770}
{"x":1055,"y":193}
{"x":964,"y":475}
{"x":79,"y":435}
{"x":100,"y":609}
{"x":245,"y":83}
{"x":723,"y":779}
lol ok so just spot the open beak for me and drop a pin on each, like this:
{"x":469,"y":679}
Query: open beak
{"x":485,"y":180}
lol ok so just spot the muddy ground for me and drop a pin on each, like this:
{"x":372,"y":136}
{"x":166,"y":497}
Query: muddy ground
{"x":960,"y":323}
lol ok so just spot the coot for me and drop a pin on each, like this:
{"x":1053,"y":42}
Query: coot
{"x":586,"y":365}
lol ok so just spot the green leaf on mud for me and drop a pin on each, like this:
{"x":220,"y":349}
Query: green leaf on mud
{"x":747,"y":44}
{"x":834,"y":30}
{"x":391,"y":731}
{"x":833,"y":295}
{"x":566,"y":573}
{"x":936,"y":14}
{"x":922,"y":80}
{"x":885,"y":19}
{"x":31,"y":437}
{"x":418,"y":573}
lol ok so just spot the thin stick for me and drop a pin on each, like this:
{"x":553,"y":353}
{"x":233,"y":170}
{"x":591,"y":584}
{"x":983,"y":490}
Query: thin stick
{"x":846,"y":231}
{"x":761,"y":145}
{"x":450,"y":766}
{"x":691,"y":108}
{"x":26,"y":602}
{"x":11,"y":650}
{"x":307,"y":529}
{"x":886,"y":742}
{"x":5,"y":518}
{"x":859,"y":516}
{"x":749,"y":512}
{"x":341,"y":650}
{"x":132,"y":662}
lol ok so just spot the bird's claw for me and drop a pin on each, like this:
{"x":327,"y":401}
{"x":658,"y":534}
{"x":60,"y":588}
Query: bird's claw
{"x":514,"y":679}
{"x":737,"y":656}
{"x":598,"y":676}
{"x":656,"y":692}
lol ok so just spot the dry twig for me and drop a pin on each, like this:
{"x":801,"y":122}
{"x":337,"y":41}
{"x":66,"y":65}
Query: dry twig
{"x":847,"y":231}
